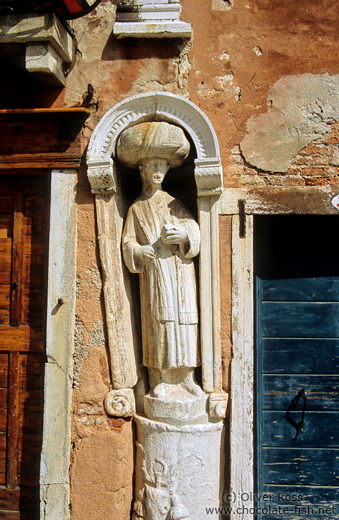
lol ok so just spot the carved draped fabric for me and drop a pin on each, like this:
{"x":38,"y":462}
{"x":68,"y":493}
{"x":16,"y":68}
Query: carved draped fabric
{"x":169,"y":314}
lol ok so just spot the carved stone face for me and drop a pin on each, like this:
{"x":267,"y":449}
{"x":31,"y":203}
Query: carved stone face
{"x":153,"y":171}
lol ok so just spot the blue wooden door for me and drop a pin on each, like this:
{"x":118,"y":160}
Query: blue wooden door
{"x":297,"y":349}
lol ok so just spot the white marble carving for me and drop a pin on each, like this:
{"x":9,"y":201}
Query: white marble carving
{"x":156,"y":106}
{"x":100,"y":175}
{"x":159,"y":240}
{"x":159,"y":106}
{"x":178,"y":470}
{"x":179,"y":424}
{"x":150,"y":19}
{"x":120,"y":403}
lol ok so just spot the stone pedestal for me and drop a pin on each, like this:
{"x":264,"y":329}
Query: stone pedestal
{"x":178,"y":470}
{"x":191,"y":409}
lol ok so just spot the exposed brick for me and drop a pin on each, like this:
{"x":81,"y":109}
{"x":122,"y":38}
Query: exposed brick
{"x":273,"y":180}
{"x":294,"y":170}
{"x":335,"y":181}
{"x":236,"y":150}
{"x":334,"y":160}
{"x":314,"y":160}
{"x":252,"y":180}
{"x":317,"y":181}
{"x":335,"y":128}
{"x":314,"y":171}
{"x":293,"y":181}
{"x":235,"y":169}
{"x":235,"y":159}
{"x":231,"y":182}
{"x":313,"y":148}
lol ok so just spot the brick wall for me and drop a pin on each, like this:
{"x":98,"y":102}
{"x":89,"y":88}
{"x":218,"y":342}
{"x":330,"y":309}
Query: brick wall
{"x":315,"y":165}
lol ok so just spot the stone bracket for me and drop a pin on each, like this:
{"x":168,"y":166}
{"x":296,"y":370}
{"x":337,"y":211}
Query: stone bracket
{"x":44,"y":63}
{"x":208,"y":176}
{"x":49,"y":46}
{"x":218,"y":405}
{"x":100,"y":175}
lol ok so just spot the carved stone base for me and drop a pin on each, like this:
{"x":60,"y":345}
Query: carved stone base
{"x":178,"y":470}
{"x":171,"y":410}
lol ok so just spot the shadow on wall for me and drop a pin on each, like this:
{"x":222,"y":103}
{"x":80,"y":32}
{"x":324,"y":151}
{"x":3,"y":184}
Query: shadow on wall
{"x":141,"y":48}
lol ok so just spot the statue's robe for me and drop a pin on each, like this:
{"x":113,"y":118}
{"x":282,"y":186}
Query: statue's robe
{"x":168,"y":294}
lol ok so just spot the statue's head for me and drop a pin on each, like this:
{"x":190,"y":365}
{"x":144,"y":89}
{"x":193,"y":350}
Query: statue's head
{"x":151,"y":143}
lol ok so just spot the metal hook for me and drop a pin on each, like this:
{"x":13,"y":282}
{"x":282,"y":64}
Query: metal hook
{"x":299,"y":426}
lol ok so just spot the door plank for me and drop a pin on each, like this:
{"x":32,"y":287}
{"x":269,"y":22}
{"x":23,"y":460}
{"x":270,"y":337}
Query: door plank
{"x":31,"y":370}
{"x":299,"y":466}
{"x":322,"y":288}
{"x":308,"y":356}
{"x":31,"y":400}
{"x":23,"y":251}
{"x":5,"y":297}
{"x":21,"y":338}
{"x":24,"y":498}
{"x":300,"y":319}
{"x":322,"y":392}
{"x":320,"y":430}
{"x":17,"y":260}
{"x":13,"y":421}
{"x":10,"y":515}
{"x":3,"y":369}
{"x":297,"y":269}
{"x":3,"y":409}
{"x":306,"y":496}
{"x":2,"y":456}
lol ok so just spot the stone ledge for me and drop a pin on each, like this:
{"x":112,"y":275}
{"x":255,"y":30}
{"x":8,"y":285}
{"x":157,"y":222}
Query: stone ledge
{"x":40,"y":32}
{"x":44,"y":63}
{"x":152,"y":30}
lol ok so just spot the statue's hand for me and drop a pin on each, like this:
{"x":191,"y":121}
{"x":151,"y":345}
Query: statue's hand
{"x":145,"y":253}
{"x":173,"y":235}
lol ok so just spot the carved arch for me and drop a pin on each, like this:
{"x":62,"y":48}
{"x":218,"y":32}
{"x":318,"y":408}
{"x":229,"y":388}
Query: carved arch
{"x":157,"y":106}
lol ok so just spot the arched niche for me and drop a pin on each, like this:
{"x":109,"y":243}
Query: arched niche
{"x":157,"y":106}
{"x":102,"y":175}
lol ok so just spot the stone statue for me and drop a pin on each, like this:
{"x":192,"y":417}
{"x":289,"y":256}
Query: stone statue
{"x":159,"y":241}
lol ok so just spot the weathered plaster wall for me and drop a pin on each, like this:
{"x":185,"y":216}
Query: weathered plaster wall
{"x":238,"y":54}
{"x":301,"y":111}
{"x":235,"y":58}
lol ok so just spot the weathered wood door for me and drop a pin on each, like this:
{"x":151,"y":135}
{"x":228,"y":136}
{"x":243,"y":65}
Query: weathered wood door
{"x":23,"y":258}
{"x":297,"y":284}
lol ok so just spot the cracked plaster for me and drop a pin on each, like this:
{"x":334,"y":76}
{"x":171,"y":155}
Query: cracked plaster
{"x":83,"y":342}
{"x":301,"y":109}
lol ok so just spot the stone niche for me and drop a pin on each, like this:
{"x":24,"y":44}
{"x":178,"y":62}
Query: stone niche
{"x":164,"y":347}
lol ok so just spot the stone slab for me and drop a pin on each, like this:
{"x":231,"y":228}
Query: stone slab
{"x":44,"y":63}
{"x":20,"y":28}
{"x":152,"y":30}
